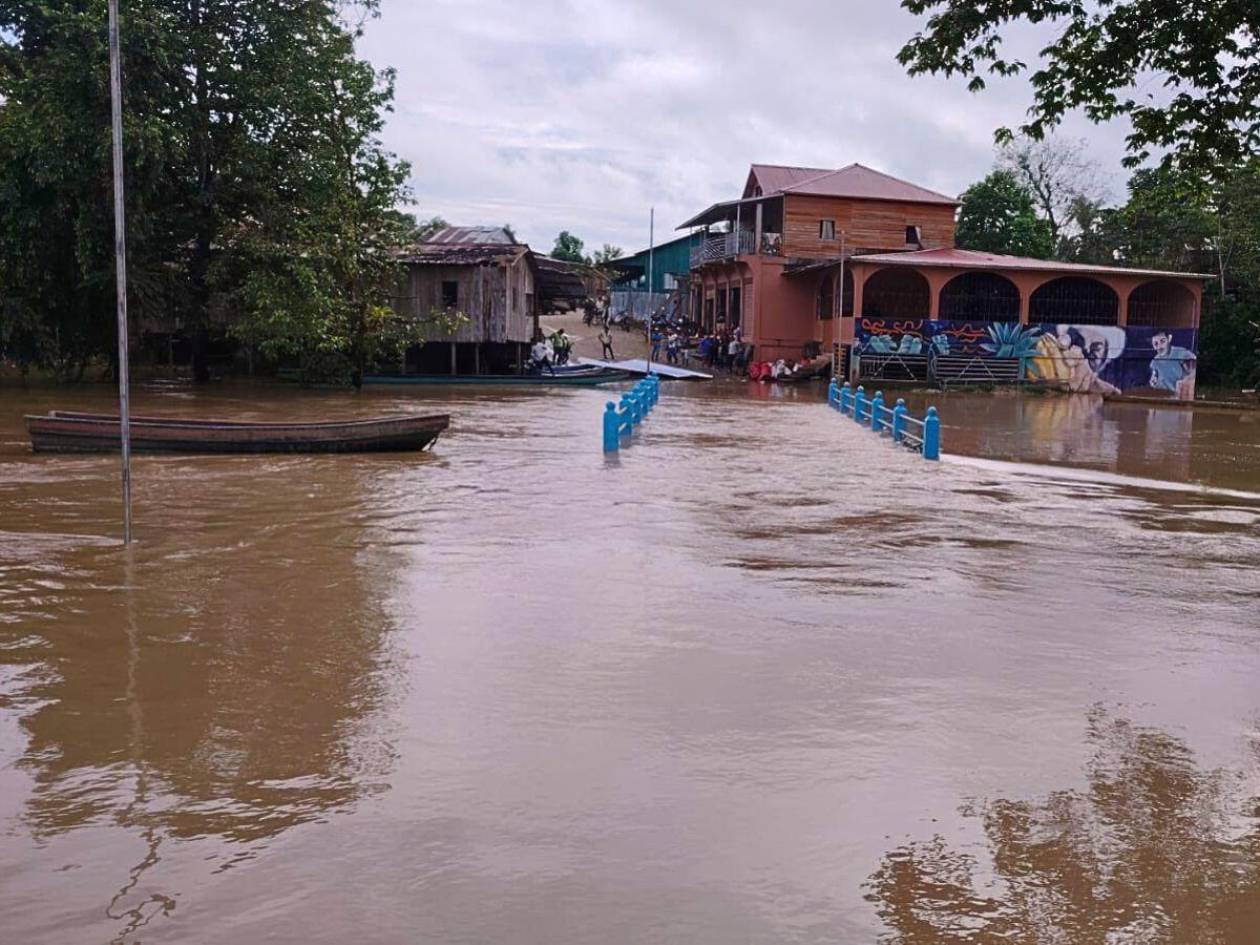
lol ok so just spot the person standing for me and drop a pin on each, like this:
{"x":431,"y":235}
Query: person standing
{"x":605,"y":339}
{"x":562,"y":344}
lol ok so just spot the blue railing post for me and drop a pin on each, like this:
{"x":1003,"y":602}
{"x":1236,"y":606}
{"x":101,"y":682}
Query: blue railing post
{"x":627,"y":415}
{"x":877,"y":405}
{"x":846,"y":397}
{"x":932,"y":435}
{"x":612,"y":428}
{"x":899,"y":420}
{"x":859,"y":403}
{"x":833,"y":393}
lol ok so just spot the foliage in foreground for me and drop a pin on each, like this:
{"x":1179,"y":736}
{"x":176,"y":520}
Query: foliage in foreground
{"x":257,"y":187}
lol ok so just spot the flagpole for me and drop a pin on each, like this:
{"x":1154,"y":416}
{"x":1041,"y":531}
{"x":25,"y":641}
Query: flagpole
{"x":651,"y":276}
{"x":120,"y":252}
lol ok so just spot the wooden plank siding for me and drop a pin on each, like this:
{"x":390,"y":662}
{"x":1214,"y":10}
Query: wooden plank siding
{"x":496,"y":298}
{"x":867,"y":224}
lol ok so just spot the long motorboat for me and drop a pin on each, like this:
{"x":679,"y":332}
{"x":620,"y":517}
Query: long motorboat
{"x":62,"y":431}
{"x":579,"y":376}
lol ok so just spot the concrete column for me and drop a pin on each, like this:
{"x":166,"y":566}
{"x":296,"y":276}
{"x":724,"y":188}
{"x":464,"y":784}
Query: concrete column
{"x":860,"y":275}
{"x":757,"y":238}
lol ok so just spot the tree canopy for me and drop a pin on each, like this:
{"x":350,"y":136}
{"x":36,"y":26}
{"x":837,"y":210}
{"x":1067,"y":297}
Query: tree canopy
{"x":256,"y":181}
{"x":1205,"y":58}
{"x":998,"y":216}
{"x":568,"y":247}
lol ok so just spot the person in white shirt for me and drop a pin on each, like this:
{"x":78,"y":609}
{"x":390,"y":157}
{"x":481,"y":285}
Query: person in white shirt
{"x":541,"y":355}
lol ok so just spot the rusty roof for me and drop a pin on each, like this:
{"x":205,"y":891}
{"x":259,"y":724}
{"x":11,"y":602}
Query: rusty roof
{"x":433,"y":254}
{"x":974,"y":259}
{"x":472,"y":236}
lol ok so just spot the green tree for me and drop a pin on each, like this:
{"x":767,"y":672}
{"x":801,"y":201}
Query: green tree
{"x":251,"y":138}
{"x":1206,"y":56}
{"x":568,"y":247}
{"x":602,"y":257}
{"x":998,"y":216}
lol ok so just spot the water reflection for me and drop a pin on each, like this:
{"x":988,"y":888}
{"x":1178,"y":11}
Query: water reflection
{"x":216,"y":684}
{"x":1154,"y":850}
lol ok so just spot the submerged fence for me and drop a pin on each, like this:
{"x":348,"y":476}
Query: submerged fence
{"x":923,"y":436}
{"x":636,"y":404}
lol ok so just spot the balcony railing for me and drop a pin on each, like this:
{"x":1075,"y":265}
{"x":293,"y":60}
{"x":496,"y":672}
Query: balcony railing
{"x":721,"y":247}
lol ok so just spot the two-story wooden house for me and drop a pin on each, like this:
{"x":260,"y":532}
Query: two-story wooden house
{"x":807,"y":258}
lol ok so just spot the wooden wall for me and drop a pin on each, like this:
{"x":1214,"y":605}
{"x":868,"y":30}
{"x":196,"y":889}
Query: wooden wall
{"x":496,"y":298}
{"x":868,"y":225}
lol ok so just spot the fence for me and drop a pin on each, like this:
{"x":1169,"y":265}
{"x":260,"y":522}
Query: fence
{"x":940,"y":369}
{"x":923,"y":436}
{"x":640,"y":304}
{"x":636,"y":404}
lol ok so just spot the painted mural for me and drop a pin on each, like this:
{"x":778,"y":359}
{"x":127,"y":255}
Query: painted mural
{"x":1098,"y":359}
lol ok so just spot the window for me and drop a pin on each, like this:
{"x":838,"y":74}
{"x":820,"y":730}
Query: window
{"x":826,"y":229}
{"x":669,"y":282}
{"x":450,"y":294}
{"x":914,"y":236}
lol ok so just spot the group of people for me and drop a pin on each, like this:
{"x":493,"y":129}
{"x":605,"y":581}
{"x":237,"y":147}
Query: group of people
{"x":548,"y":353}
{"x":725,"y":349}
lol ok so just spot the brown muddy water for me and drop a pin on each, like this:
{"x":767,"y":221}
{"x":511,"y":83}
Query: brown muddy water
{"x":762,"y":678}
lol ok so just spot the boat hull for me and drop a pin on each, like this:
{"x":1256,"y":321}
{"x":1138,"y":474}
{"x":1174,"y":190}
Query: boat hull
{"x":64,"y":432}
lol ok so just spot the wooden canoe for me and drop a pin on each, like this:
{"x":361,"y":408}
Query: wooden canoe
{"x":64,"y":431}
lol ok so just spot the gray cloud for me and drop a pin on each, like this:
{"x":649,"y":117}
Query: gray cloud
{"x":555,"y":115}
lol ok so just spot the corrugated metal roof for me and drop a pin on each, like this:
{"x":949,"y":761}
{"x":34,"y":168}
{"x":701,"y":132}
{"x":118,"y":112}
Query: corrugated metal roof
{"x":772,"y":178}
{"x":472,"y":236}
{"x":973,"y":259}
{"x":466,"y":254}
{"x":857,"y":180}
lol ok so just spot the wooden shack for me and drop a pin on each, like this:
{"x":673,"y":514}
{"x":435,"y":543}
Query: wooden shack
{"x":489,"y":279}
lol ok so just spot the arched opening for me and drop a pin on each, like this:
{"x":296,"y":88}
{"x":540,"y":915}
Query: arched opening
{"x":846,"y":293}
{"x":1074,"y":300}
{"x":897,"y":292}
{"x":831,"y":294}
{"x":826,"y":299}
{"x":1162,"y":304}
{"x":980,"y":297}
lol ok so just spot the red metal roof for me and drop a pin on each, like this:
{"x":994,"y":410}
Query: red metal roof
{"x":973,"y":259}
{"x":773,"y":178}
{"x":856,"y":180}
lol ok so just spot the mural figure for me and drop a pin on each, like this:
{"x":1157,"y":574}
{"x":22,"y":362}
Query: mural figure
{"x":1173,"y":368}
{"x":1077,"y":355}
{"x":1091,"y":359}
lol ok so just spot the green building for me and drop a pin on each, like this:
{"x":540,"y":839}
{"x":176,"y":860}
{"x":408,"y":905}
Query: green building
{"x":671,"y":262}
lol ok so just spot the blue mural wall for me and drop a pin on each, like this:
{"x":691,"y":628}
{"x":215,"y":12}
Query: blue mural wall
{"x":1100,"y":359}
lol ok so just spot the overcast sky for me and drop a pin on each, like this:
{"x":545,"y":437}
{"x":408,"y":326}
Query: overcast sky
{"x":554,"y":115}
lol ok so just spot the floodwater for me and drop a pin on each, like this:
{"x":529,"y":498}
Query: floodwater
{"x":760,"y":678}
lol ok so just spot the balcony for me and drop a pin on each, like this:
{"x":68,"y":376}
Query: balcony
{"x":722,"y":247}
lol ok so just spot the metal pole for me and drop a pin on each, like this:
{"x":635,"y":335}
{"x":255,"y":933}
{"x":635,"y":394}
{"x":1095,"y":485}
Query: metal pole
{"x":835,"y":338}
{"x":120,"y":251}
{"x":651,"y":277}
